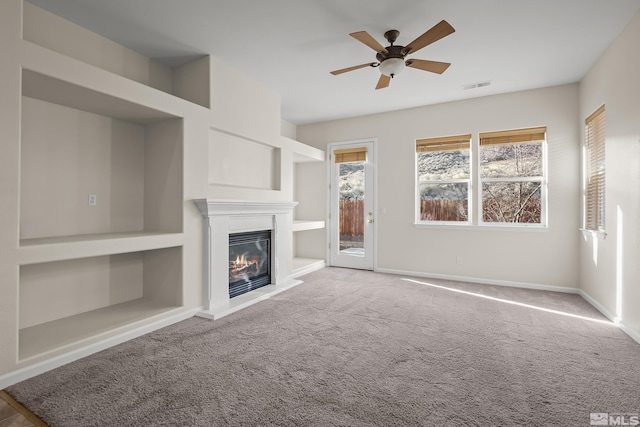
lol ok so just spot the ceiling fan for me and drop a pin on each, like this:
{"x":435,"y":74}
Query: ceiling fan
{"x":391,"y":59}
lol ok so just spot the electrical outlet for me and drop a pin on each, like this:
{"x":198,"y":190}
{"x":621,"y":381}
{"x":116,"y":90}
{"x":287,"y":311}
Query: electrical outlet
{"x":458,"y":260}
{"x":93,"y":200}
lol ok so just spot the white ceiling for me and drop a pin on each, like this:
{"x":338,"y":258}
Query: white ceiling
{"x":291,"y":45}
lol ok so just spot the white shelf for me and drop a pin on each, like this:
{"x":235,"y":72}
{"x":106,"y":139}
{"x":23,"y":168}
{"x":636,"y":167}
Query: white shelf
{"x":39,"y":339}
{"x":49,"y":249}
{"x":51,"y":89}
{"x":302,"y":158}
{"x":301,"y":266}
{"x":305,"y":174}
{"x":304,"y":153}
{"x":299,"y":225}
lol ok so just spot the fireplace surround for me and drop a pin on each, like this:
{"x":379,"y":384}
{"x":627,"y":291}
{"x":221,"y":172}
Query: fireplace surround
{"x":225,"y":218}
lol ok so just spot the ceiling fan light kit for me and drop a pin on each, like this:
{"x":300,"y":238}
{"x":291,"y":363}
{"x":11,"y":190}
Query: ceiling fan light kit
{"x":392,"y":66}
{"x":391,"y":59}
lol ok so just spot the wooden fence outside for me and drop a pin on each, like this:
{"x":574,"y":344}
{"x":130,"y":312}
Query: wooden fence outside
{"x":352,"y":214}
{"x":443,"y":210}
{"x":352,"y":218}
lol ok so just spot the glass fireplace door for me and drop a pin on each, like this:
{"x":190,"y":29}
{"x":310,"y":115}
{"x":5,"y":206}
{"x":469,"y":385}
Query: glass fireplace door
{"x":249,"y":261}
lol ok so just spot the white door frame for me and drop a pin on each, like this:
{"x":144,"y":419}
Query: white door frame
{"x":374,"y":178}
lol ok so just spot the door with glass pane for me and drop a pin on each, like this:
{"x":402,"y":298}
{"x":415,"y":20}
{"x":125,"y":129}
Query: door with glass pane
{"x":351,"y":242}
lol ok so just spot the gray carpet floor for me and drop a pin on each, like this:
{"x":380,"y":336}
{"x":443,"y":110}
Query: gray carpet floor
{"x":357,"y":348}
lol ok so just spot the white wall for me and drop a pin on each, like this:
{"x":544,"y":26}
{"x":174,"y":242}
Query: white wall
{"x":63,"y":162}
{"x":241,"y":106}
{"x":239,"y":162}
{"x":288,"y":129}
{"x":538,"y":258}
{"x":609,"y":271}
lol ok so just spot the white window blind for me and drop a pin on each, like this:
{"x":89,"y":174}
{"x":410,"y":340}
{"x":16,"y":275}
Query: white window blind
{"x":447,"y":143}
{"x":513,"y":136}
{"x":350,"y":155}
{"x":595,"y":170}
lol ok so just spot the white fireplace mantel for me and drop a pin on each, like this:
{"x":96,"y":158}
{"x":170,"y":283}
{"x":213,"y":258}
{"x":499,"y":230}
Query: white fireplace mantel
{"x":216,"y":207}
{"x":223,"y":217}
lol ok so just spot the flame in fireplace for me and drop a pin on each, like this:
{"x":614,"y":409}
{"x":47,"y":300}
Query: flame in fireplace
{"x":241,"y":261}
{"x":242,"y":266}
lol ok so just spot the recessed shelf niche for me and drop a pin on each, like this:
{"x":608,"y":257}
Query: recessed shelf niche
{"x":189,"y":78}
{"x":77,"y":144}
{"x":309,"y":168}
{"x":64,"y":302}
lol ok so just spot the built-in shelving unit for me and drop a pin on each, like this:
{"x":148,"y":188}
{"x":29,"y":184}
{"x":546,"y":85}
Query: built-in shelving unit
{"x":101,"y":229}
{"x":303,"y":155}
{"x":65,"y":302}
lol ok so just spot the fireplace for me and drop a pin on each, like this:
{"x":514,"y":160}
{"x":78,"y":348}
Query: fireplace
{"x":249,"y":261}
{"x":224,"y":220}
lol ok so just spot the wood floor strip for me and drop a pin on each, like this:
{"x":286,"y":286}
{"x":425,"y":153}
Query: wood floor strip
{"x":22,"y":409}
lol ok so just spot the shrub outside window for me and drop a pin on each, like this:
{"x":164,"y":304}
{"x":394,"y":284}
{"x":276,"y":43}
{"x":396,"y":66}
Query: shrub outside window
{"x":443,"y":171}
{"x":512,"y":174}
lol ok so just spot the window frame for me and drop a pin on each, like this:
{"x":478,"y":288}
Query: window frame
{"x":444,"y":142}
{"x":475,"y":185}
{"x":516,"y":136}
{"x":594,"y":169}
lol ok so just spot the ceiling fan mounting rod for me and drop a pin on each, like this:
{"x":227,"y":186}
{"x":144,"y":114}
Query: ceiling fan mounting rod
{"x":391,"y":36}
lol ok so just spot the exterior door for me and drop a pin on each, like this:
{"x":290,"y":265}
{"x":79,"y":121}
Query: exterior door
{"x":351,"y":193}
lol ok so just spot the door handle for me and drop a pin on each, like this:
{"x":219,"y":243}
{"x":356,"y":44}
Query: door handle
{"x":370,"y":221}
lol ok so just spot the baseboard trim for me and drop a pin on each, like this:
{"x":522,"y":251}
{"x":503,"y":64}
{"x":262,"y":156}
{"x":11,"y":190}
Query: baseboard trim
{"x":606,"y":313}
{"x":535,"y":286}
{"x":38,"y":368}
{"x":308,"y":269}
{"x":631,"y":332}
{"x":565,"y":289}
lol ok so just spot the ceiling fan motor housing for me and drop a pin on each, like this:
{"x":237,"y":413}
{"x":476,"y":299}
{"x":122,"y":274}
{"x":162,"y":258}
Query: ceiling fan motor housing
{"x":392,"y":62}
{"x":393,"y":52}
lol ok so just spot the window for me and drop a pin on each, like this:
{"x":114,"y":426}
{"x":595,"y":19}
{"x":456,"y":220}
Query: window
{"x":594,"y":173}
{"x":443,"y":171}
{"x":512,"y":174}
